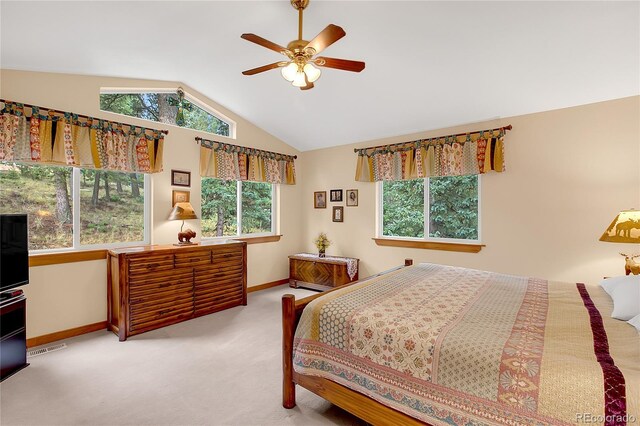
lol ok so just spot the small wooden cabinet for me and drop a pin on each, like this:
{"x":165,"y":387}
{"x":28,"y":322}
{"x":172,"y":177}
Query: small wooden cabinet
{"x":317,"y":273}
{"x":154,"y":286}
{"x":13,"y":336}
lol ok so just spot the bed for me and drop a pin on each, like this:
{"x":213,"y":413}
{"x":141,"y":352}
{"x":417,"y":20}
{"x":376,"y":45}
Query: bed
{"x":446,"y":345}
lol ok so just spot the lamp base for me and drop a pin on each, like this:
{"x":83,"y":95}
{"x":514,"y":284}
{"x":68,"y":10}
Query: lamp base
{"x":185,"y":237}
{"x":185,"y":243}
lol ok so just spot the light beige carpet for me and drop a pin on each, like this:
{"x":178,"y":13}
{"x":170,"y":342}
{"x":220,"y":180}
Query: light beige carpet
{"x":221,"y":369}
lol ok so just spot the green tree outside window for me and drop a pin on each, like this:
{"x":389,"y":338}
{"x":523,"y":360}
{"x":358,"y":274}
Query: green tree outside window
{"x":161,"y":107}
{"x":450,"y":208}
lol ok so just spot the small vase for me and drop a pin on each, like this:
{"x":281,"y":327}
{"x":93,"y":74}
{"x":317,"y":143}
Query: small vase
{"x":321,"y":253}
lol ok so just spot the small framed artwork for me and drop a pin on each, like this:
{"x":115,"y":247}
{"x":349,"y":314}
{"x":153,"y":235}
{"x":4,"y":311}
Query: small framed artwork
{"x":179,"y":197}
{"x":338,"y":214}
{"x":180,"y":178}
{"x":320,"y":200}
{"x":352,"y":197}
{"x":336,"y":195}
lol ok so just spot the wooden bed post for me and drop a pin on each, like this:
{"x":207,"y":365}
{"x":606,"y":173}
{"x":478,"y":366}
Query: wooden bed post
{"x":288,"y":331}
{"x":408,"y":262}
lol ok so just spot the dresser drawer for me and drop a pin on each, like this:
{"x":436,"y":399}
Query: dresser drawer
{"x":216,"y":303}
{"x":216,"y":275}
{"x":158,"y":291}
{"x":224,"y":256}
{"x":144,"y":265}
{"x":174,"y":301}
{"x":161,"y":318}
{"x":162,"y":303}
{"x":230,"y":284}
{"x":193,"y":258}
{"x":159,"y":278}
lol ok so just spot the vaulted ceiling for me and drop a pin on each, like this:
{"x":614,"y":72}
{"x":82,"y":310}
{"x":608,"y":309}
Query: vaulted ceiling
{"x":429,"y":64}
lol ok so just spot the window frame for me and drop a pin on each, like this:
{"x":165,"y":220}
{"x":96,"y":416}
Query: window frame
{"x":206,"y":107}
{"x":426,"y":238}
{"x":275,"y":188}
{"x":75,"y":209}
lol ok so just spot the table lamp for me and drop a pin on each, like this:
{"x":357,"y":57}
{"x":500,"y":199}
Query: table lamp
{"x":183,"y":211}
{"x":625,"y":228}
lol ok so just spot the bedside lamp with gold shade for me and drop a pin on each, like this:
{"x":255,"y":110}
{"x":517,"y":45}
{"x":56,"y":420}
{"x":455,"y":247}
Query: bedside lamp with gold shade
{"x":183,"y":211}
{"x":625,"y":228}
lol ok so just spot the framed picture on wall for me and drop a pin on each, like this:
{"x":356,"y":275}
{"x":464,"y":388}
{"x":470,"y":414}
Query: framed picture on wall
{"x":180,"y":178}
{"x":336,"y":195}
{"x":338,"y":214}
{"x":352,"y":197}
{"x":320,"y":200}
{"x":179,"y":197}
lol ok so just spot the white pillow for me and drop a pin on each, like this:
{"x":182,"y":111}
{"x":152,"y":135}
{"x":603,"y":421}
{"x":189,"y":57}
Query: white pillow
{"x":626,"y":301}
{"x":609,"y":284}
{"x":635,"y":321}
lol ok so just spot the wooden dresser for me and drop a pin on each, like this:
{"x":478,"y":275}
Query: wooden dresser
{"x":153,"y":286}
{"x":310,"y":271}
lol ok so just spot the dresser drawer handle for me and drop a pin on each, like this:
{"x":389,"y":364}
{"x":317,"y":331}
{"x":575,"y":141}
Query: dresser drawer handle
{"x":166,"y":311}
{"x":164,"y":285}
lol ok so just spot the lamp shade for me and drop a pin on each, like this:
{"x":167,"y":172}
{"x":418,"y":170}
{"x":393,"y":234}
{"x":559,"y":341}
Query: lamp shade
{"x":625,"y":228}
{"x":182,"y":211}
{"x":289,"y":72}
{"x":300,"y":79}
{"x":312,"y":72}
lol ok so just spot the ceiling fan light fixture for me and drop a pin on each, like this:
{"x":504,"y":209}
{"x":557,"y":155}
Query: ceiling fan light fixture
{"x":299,"y":80}
{"x":289,"y":72}
{"x":301,"y":67}
{"x":312,"y":72}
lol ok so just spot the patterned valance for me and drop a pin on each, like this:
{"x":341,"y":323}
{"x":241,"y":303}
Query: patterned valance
{"x":233,"y":162}
{"x":32,"y":134}
{"x":454,"y":155}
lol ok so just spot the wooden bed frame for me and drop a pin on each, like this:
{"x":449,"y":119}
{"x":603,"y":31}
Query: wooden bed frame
{"x":354,"y":402}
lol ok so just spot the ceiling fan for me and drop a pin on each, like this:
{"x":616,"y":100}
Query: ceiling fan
{"x":300,"y":69}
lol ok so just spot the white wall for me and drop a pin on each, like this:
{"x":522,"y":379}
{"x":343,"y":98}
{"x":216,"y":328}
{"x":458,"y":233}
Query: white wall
{"x":65,"y":296}
{"x":568,"y":173}
{"x":82,"y":296}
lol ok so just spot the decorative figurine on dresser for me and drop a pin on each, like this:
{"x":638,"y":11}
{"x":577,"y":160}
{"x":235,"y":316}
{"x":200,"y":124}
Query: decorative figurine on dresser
{"x":155,"y":286}
{"x":321,"y":273}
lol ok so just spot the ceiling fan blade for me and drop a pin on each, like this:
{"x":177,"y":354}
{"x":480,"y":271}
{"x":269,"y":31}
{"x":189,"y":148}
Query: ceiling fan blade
{"x":326,"y":38}
{"x":308,"y":86}
{"x":264,"y":68}
{"x":265,"y":43}
{"x":340,"y":64}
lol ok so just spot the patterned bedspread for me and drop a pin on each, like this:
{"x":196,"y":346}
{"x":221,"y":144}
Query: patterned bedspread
{"x":458,"y":346}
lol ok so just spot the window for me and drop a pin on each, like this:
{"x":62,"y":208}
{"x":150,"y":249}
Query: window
{"x":257,"y":203}
{"x":73,"y":208}
{"x":163,"y":108}
{"x":111,"y":207}
{"x":433,"y":208}
{"x":231,"y":208}
{"x":43,"y":193}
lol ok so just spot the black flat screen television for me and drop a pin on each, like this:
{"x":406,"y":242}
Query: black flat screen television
{"x":14,"y":251}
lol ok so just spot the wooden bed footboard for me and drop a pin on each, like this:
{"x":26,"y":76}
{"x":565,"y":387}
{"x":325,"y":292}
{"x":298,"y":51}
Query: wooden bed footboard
{"x":354,"y":402}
